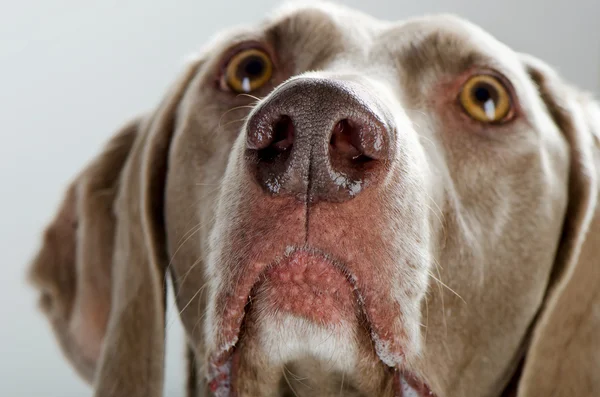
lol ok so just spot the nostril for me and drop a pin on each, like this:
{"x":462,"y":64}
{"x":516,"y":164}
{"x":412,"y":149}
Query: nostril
{"x":283,"y":139}
{"x":283,"y":133}
{"x":345,"y":142}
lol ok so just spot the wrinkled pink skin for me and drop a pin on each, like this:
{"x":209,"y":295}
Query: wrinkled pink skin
{"x":333,"y":297}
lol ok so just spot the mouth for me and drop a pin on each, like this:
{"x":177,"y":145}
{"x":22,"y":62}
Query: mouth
{"x":309,"y":285}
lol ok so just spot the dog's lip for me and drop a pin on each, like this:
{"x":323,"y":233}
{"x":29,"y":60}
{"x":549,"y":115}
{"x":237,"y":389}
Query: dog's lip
{"x":309,"y":286}
{"x":221,"y":368}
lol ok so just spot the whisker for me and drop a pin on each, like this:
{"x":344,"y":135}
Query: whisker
{"x":188,"y":303}
{"x":231,"y":122}
{"x":231,"y":110}
{"x":426,"y":319}
{"x":288,"y":381}
{"x":200,"y":317}
{"x":427,"y":139}
{"x":446,"y":286}
{"x":196,"y":229}
{"x":202,"y":197}
{"x":249,"y":96}
{"x":299,"y":379}
{"x":182,"y":279}
{"x":192,"y":298}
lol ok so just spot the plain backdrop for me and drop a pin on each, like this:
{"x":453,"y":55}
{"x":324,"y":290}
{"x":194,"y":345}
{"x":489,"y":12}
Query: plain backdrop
{"x":72,"y":71}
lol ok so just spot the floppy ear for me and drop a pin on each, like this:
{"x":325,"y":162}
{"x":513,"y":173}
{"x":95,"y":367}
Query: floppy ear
{"x":563,"y":358}
{"x":101,"y":267}
{"x":73,"y":268}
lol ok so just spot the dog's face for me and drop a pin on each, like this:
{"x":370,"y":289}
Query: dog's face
{"x":363,"y":208}
{"x":391,"y":193}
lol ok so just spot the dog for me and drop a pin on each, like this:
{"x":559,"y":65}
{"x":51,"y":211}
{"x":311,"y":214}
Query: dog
{"x":344,"y":206}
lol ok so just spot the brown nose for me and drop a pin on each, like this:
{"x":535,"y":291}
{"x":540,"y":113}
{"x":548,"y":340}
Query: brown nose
{"x":319,"y":140}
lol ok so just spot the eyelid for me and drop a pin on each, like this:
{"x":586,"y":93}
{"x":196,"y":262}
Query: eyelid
{"x":242,"y":45}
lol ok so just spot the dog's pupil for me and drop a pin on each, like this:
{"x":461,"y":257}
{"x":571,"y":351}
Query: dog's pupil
{"x":482,"y":94}
{"x":253,"y":67}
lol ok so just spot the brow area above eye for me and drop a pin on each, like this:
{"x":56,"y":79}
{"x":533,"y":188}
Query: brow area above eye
{"x":440,"y":44}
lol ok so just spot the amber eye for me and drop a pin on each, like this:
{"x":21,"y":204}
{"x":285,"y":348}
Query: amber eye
{"x":248,"y":70}
{"x":486,"y":99}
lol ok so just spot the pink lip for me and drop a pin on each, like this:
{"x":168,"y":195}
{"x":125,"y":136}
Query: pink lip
{"x":308,"y":286}
{"x":335,"y":296}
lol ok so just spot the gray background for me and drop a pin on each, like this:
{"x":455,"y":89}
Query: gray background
{"x":73,"y":71}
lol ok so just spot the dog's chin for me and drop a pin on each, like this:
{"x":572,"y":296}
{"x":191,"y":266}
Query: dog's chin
{"x":304,"y":316}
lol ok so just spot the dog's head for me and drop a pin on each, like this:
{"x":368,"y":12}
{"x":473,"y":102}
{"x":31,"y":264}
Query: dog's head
{"x":346,"y":207}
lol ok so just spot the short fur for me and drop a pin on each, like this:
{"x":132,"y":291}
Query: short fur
{"x":482,"y":242}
